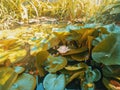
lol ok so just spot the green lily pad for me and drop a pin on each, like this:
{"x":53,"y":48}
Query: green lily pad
{"x":54,"y":82}
{"x":99,"y":39}
{"x":98,"y":75}
{"x":19,"y":69}
{"x":24,"y":82}
{"x":108,"y":51}
{"x":115,"y":10}
{"x":54,"y":64}
{"x":72,"y":36}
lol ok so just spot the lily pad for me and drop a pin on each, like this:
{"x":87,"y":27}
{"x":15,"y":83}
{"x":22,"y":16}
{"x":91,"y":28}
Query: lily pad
{"x":54,"y":64}
{"x":41,"y":57}
{"x":19,"y":69}
{"x":24,"y":82}
{"x":98,"y":75}
{"x":111,"y":84}
{"x":5,"y":74}
{"x":3,"y":56}
{"x":76,"y":67}
{"x":16,"y":56}
{"x":54,"y":82}
{"x":111,"y":71}
{"x":76,"y":51}
{"x":81,"y":56}
{"x":108,"y":51}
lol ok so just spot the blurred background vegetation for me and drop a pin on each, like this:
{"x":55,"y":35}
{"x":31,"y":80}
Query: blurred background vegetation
{"x":12,"y":11}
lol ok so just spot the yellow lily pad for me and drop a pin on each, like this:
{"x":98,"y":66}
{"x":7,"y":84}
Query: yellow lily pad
{"x":3,"y":56}
{"x":16,"y":56}
{"x":5,"y":74}
{"x":76,"y":67}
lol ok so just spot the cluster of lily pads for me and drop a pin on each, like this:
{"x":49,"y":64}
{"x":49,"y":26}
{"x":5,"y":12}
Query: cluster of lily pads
{"x":61,"y":54}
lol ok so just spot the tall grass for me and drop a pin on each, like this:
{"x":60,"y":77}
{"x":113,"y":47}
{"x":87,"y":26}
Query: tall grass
{"x":23,"y":10}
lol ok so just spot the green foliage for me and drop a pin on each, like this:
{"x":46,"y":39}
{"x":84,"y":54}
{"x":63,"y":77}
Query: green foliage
{"x":108,"y":12}
{"x":62,"y":51}
{"x":107,"y":53}
{"x":53,"y":82}
{"x":24,"y":81}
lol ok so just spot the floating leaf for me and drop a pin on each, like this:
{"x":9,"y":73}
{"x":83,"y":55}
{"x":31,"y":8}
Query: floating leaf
{"x":19,"y":69}
{"x":3,"y":56}
{"x":49,"y":42}
{"x":54,"y":82}
{"x":108,"y":51}
{"x":99,"y":39}
{"x":87,"y":32}
{"x":76,"y":67}
{"x":98,"y":75}
{"x":76,"y":51}
{"x":111,"y":71}
{"x":115,"y":10}
{"x":7,"y":43}
{"x":110,"y":84}
{"x":5,"y":74}
{"x":60,"y":32}
{"x":54,"y":64}
{"x":75,"y":75}
{"x":90,"y":75}
{"x":41,"y":57}
{"x":14,"y":74}
{"x":16,"y":56}
{"x":81,"y":56}
{"x":89,"y":42}
{"x":73,"y":35}
{"x":24,"y":82}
